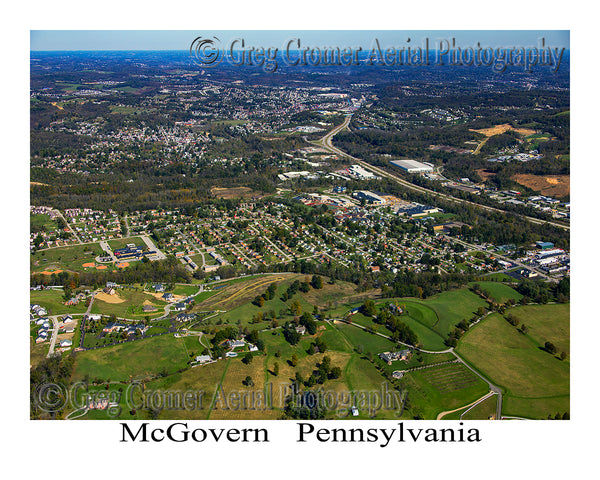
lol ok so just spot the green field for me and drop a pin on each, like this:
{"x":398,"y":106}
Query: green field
{"x":185,"y":290}
{"x":535,"y":382}
{"x":499,"y":291}
{"x":122,"y":242}
{"x":141,"y":358}
{"x":437,"y":389}
{"x":42,"y":220}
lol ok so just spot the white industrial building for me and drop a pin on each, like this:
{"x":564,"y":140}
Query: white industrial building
{"x":412,"y":166}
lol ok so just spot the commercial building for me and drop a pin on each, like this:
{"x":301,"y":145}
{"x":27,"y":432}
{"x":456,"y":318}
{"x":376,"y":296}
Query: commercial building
{"x":412,"y":166}
{"x":369,"y":197}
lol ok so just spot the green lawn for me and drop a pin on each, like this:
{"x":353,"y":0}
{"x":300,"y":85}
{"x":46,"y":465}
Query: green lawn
{"x":369,"y":342}
{"x":516,"y":363}
{"x":499,"y":291}
{"x":185,"y":290}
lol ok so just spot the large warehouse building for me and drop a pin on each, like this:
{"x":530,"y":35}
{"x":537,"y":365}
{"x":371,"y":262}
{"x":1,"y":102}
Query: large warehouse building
{"x":412,"y":166}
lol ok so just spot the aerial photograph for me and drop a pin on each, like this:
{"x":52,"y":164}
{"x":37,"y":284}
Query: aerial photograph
{"x":299,"y":225}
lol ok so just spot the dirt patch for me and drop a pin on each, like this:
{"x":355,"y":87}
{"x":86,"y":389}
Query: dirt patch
{"x":234,"y":192}
{"x":498,"y":129}
{"x":47,"y":272}
{"x":160,"y":296}
{"x":38,"y":183}
{"x":484,"y":174}
{"x":550,"y":185}
{"x":105,"y":297}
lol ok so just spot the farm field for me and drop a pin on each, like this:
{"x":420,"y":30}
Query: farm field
{"x":517,"y":363}
{"x":442,"y":388}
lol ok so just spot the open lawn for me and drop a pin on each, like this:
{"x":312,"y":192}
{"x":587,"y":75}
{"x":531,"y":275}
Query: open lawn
{"x":368,"y":341}
{"x":516,"y":362}
{"x":185,"y":290}
{"x":122,"y":242}
{"x":132,"y":360}
{"x":499,"y":291}
{"x":546,"y":323}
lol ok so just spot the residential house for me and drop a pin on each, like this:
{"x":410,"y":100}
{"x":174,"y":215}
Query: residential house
{"x":236,"y":343}
{"x":179,"y":307}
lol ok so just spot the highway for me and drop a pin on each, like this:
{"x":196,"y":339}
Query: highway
{"x":325,"y":142}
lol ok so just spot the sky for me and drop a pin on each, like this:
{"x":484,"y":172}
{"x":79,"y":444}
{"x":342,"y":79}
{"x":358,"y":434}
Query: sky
{"x":47,"y":40}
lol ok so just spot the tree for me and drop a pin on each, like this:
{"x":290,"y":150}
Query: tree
{"x":368,"y":308}
{"x":523,"y":329}
{"x":563,"y":355}
{"x":296,"y":308}
{"x":550,"y":347}
{"x":335,"y":372}
{"x":294,"y":360}
{"x":247,"y":358}
{"x":316,"y":282}
{"x":276,"y":369}
{"x":248,"y":381}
